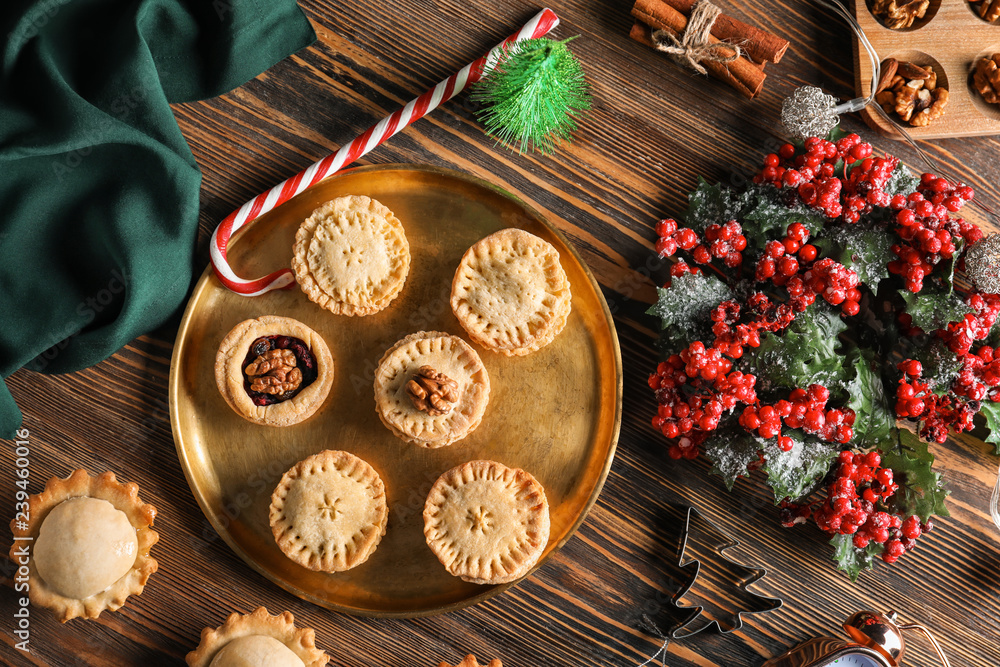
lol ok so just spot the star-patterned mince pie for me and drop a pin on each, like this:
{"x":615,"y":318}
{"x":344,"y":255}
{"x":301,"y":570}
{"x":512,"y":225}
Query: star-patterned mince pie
{"x":487,"y":523}
{"x":328,"y":513}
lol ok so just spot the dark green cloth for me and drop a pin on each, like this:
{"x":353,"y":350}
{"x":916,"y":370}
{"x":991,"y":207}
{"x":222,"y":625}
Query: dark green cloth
{"x":98,"y":189}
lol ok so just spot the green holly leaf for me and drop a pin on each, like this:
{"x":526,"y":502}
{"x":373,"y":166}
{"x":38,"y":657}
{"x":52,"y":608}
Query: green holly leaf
{"x":731,"y":449}
{"x":767,"y":215}
{"x":874,"y":416}
{"x":852,"y":560}
{"x":804,"y":354}
{"x":835,"y":135}
{"x":934,"y":307}
{"x":991,"y":411}
{"x":796,"y":473}
{"x":711,"y":204}
{"x":940,"y":366}
{"x":864,"y":249}
{"x":921,"y":489}
{"x":685,"y":307}
{"x":902,"y":182}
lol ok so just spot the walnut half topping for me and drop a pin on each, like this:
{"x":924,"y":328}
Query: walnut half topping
{"x":432,"y":392}
{"x":274,"y":372}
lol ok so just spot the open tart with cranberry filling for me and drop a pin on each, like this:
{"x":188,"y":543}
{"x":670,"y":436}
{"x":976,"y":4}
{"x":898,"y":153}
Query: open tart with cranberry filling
{"x":273,"y":370}
{"x":90,"y":539}
{"x":258,"y":640}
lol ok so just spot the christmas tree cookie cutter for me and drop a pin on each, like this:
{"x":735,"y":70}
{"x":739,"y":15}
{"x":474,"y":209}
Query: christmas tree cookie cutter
{"x":745,"y":577}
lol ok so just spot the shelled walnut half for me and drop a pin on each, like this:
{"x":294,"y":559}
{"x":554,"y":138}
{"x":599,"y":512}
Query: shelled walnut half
{"x":898,"y":14}
{"x":911,"y":92}
{"x":986,"y":78}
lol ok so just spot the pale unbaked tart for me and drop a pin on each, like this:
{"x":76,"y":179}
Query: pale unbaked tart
{"x":487,"y":523}
{"x":510,"y":292}
{"x":329,"y":512}
{"x":351,"y":256}
{"x":90,"y":547}
{"x":446,"y":355}
{"x":258,"y":640}
{"x":274,"y":371}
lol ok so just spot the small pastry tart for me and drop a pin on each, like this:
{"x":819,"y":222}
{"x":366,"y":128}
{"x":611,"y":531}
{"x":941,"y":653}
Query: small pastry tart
{"x":274,"y":371}
{"x":431,"y":389}
{"x":351,"y":256}
{"x":329,"y":512}
{"x":88,"y":541}
{"x":487,"y":523}
{"x":257,"y":640}
{"x":510,"y":292}
{"x":470,"y":661}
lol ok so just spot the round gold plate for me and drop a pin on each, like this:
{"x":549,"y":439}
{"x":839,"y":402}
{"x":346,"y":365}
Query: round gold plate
{"x":555,"y":413}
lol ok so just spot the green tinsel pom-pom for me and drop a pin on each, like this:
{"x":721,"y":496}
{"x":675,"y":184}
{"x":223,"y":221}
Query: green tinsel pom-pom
{"x":533,"y":95}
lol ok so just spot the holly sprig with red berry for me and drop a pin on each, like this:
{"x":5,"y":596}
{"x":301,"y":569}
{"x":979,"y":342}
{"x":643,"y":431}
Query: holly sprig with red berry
{"x":807,"y":316}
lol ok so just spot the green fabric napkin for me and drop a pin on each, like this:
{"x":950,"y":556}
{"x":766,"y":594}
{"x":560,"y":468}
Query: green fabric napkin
{"x":98,"y":189}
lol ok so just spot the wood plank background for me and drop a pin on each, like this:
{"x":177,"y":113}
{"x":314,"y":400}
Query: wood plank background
{"x":654,"y":129}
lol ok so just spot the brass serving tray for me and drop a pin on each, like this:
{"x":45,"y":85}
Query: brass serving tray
{"x":555,"y":413}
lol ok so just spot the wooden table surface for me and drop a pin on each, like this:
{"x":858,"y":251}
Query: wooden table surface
{"x":653,"y":130}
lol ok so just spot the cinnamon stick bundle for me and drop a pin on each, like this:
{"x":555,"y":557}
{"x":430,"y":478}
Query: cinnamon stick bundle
{"x":760,"y":45}
{"x":742,"y":74}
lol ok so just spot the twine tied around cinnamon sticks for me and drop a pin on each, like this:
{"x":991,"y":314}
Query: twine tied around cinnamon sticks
{"x":693,"y":48}
{"x":744,"y":72}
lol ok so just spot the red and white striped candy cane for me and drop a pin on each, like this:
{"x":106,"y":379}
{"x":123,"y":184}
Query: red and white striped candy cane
{"x":541,"y":24}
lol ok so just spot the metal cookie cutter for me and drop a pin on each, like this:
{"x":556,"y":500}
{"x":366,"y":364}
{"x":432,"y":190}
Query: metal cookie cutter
{"x":745,"y":575}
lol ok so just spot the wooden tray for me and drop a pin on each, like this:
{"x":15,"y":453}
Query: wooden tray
{"x":950,"y":38}
{"x":555,"y":413}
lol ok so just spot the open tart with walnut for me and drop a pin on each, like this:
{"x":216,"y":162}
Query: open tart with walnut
{"x":431,"y":389}
{"x":258,"y":640}
{"x":470,"y":661}
{"x":91,"y":541}
{"x":274,"y":371}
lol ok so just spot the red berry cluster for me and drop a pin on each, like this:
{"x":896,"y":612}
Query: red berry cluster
{"x":927,"y":232}
{"x":779,"y":262}
{"x":857,"y":504}
{"x":978,"y":379}
{"x":803,"y":279}
{"x":725,"y":242}
{"x":935,"y":414}
{"x":693,"y":389}
{"x":959,"y":336}
{"x":805,"y":409}
{"x":812,"y":174}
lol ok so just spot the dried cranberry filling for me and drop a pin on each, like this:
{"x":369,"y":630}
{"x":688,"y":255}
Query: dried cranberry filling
{"x":305,"y":361}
